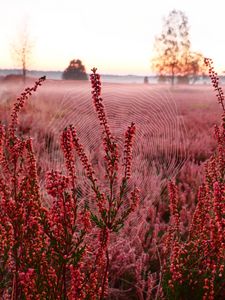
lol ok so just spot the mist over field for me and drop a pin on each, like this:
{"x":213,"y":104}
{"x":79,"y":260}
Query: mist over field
{"x":170,"y":121}
{"x":174,"y":125}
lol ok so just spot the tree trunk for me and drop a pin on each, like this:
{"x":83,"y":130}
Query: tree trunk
{"x":24,"y":71}
{"x":172,"y":75}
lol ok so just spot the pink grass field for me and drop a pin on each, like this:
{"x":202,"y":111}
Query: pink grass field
{"x":173,"y":141}
{"x":191,"y":111}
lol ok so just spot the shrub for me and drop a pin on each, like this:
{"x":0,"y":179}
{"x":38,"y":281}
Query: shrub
{"x":60,"y":252}
{"x":194,"y":266}
{"x":75,"y":71}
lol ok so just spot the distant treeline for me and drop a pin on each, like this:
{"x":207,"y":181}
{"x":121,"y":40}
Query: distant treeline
{"x":152,"y":79}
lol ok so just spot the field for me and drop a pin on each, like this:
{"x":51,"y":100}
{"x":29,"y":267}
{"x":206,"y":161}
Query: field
{"x":145,"y":255}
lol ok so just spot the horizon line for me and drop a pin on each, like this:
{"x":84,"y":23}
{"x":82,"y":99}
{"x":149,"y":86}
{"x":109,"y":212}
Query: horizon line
{"x":58,"y":71}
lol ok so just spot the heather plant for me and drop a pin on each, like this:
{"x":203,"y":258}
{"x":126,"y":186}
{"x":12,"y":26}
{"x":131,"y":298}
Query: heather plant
{"x":47,"y":253}
{"x":194,"y":266}
{"x":112,"y":211}
{"x":93,"y":281}
{"x":91,"y":241}
{"x":22,"y":240}
{"x":151,"y":155}
{"x":38,"y":246}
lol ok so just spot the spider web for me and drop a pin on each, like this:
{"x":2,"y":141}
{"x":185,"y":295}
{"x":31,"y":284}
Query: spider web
{"x":159,"y":147}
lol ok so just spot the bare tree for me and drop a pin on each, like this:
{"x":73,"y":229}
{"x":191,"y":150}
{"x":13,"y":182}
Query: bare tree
{"x":22,"y":49}
{"x":173,"y":55}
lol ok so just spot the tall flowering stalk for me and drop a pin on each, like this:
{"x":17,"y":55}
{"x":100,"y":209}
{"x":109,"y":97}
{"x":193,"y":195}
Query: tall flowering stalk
{"x":112,"y":211}
{"x":22,"y":242}
{"x":66,"y":225}
{"x":20,"y":103}
{"x":114,"y":201}
{"x":215,"y":82}
{"x":41,"y":250}
{"x":195,"y":266}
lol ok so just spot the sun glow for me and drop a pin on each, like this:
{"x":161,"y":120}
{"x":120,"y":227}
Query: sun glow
{"x":116,"y":36}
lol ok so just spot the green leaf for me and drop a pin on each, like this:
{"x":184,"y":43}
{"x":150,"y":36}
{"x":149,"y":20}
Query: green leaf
{"x":97,"y":221}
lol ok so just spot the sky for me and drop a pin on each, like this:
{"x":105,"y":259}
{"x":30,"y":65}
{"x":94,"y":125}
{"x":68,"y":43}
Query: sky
{"x":116,"y":36}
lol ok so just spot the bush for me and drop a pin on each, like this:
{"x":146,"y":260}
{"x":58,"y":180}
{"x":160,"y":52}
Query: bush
{"x":194,"y":266}
{"x":75,"y":71}
{"x":60,"y":252}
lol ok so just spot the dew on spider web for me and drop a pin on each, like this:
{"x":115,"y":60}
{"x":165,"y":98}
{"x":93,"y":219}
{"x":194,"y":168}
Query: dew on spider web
{"x":159,"y":148}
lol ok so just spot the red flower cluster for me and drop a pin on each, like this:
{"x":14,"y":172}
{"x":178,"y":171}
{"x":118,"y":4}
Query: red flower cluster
{"x":50,"y":253}
{"x":215,"y":82}
{"x":129,"y":135}
{"x":196,"y":264}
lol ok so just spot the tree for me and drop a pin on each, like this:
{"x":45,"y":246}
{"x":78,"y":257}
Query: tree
{"x":22,"y":49}
{"x":173,"y":55}
{"x":75,"y":71}
{"x":194,"y":66}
